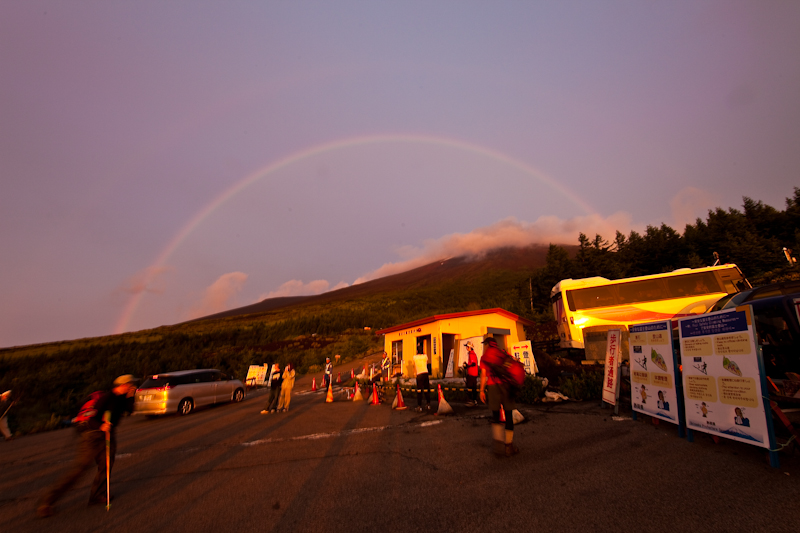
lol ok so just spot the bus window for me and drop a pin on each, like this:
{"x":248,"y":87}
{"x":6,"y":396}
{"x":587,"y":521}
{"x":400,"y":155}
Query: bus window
{"x":641,"y":291}
{"x":693,"y":284}
{"x":589,"y":298}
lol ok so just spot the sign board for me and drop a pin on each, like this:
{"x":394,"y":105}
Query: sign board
{"x":611,"y":372}
{"x":722,"y":381}
{"x":257,"y":373}
{"x":522,"y":352}
{"x":653,"y":383}
{"x":448,"y":373}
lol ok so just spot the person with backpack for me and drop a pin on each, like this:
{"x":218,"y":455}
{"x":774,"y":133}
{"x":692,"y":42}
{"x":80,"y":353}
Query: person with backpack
{"x":502,"y":374}
{"x":96,"y":423}
{"x":275,"y":382}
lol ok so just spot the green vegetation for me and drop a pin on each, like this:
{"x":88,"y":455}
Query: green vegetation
{"x":52,"y":379}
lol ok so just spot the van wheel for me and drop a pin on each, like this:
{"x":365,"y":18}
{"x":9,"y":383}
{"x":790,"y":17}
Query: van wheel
{"x":238,"y":395}
{"x":185,"y":407}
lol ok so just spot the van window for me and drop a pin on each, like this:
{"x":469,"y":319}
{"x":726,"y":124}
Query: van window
{"x":156,"y":382}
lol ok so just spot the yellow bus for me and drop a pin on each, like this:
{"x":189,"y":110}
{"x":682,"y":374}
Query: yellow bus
{"x":583,"y":303}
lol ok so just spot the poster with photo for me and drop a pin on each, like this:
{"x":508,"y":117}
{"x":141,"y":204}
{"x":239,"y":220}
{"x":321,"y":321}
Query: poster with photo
{"x":721,"y":377}
{"x":522,"y":352}
{"x":653,"y":382}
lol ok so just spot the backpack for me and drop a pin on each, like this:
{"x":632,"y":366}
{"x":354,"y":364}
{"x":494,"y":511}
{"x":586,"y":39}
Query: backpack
{"x":511,"y":372}
{"x":89,"y":408}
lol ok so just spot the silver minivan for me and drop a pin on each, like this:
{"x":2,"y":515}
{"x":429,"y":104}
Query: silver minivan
{"x":185,"y":390}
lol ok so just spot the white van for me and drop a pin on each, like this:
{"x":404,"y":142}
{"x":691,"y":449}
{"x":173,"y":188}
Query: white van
{"x":185,"y":390}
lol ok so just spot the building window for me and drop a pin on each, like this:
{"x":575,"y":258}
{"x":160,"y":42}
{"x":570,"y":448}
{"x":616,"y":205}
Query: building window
{"x":397,"y":352}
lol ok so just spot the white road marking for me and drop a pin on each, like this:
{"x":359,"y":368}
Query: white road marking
{"x":316,"y":436}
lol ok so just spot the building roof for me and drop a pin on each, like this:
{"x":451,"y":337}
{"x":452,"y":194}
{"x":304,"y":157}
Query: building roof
{"x":463,"y":314}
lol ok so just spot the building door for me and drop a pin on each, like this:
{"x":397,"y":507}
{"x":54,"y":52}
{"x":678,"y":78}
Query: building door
{"x":448,"y":346}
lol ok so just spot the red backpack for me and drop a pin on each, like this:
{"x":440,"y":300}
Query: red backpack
{"x":89,"y":409}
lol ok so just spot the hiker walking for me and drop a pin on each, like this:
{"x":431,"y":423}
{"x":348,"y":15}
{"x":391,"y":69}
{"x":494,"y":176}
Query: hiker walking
{"x":97,"y":423}
{"x":496,"y":366}
{"x":5,"y":407}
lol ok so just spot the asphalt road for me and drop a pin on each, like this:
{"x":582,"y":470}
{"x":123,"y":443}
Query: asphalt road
{"x":350,"y":466}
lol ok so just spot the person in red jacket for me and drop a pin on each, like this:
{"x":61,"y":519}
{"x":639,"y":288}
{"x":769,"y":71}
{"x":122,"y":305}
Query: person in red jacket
{"x":500,"y":394}
{"x":472,"y":375}
{"x":102,"y":425}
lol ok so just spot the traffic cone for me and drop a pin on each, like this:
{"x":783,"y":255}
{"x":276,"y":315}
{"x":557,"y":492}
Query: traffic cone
{"x":329,"y":397}
{"x":444,"y":407}
{"x":375,"y":399}
{"x":357,"y":395}
{"x":502,"y":414}
{"x":339,"y":377}
{"x":314,"y":385}
{"x":352,"y":373}
{"x":398,"y":403}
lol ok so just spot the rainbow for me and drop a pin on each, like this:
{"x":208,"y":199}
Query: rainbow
{"x":197,"y":219}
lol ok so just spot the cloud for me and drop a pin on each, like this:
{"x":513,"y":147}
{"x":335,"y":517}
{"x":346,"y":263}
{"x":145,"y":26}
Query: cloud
{"x":296,"y":287}
{"x":218,"y":296}
{"x":144,"y":281}
{"x":689,"y":204}
{"x":507,"y":232}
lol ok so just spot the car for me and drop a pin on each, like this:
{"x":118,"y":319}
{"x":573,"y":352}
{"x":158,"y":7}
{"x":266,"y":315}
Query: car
{"x":775,"y":309}
{"x":184,"y":391}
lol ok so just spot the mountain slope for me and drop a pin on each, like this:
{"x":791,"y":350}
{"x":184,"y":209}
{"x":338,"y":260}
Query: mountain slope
{"x":460,"y":269}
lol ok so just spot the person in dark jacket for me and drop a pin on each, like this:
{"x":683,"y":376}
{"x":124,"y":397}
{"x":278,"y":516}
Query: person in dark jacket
{"x":274,"y":390}
{"x":109,"y":410}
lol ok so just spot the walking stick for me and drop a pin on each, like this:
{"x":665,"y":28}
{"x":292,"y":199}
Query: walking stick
{"x":108,"y":470}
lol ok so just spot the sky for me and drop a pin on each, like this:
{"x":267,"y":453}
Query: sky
{"x":161,"y":161}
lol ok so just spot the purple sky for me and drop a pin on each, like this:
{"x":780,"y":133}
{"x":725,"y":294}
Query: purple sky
{"x":166,"y":160}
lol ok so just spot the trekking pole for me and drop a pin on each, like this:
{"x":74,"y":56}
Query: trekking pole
{"x":7,"y":410}
{"x":108,"y":469}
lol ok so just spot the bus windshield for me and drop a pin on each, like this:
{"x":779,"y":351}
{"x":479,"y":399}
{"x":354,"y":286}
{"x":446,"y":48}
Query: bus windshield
{"x":601,"y":303}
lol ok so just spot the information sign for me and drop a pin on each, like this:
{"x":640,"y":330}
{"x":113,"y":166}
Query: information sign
{"x":722,"y":382}
{"x":653,"y":383}
{"x":523,"y":353}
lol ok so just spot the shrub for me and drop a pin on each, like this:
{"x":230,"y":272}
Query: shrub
{"x":531,"y":391}
{"x":586,"y":385}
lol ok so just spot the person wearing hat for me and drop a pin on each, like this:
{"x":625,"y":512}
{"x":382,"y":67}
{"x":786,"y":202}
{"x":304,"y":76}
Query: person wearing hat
{"x":500,"y":396}
{"x":328,"y":372}
{"x":5,"y":407}
{"x":109,"y":408}
{"x":472,"y":374}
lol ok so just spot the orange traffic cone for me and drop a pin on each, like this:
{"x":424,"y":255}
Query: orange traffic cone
{"x":352,"y":373}
{"x":398,"y":403}
{"x":339,"y":377}
{"x":444,"y":407}
{"x":375,"y":399}
{"x":502,"y":413}
{"x":329,"y":397}
{"x":357,"y":395}
{"x":314,"y":385}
